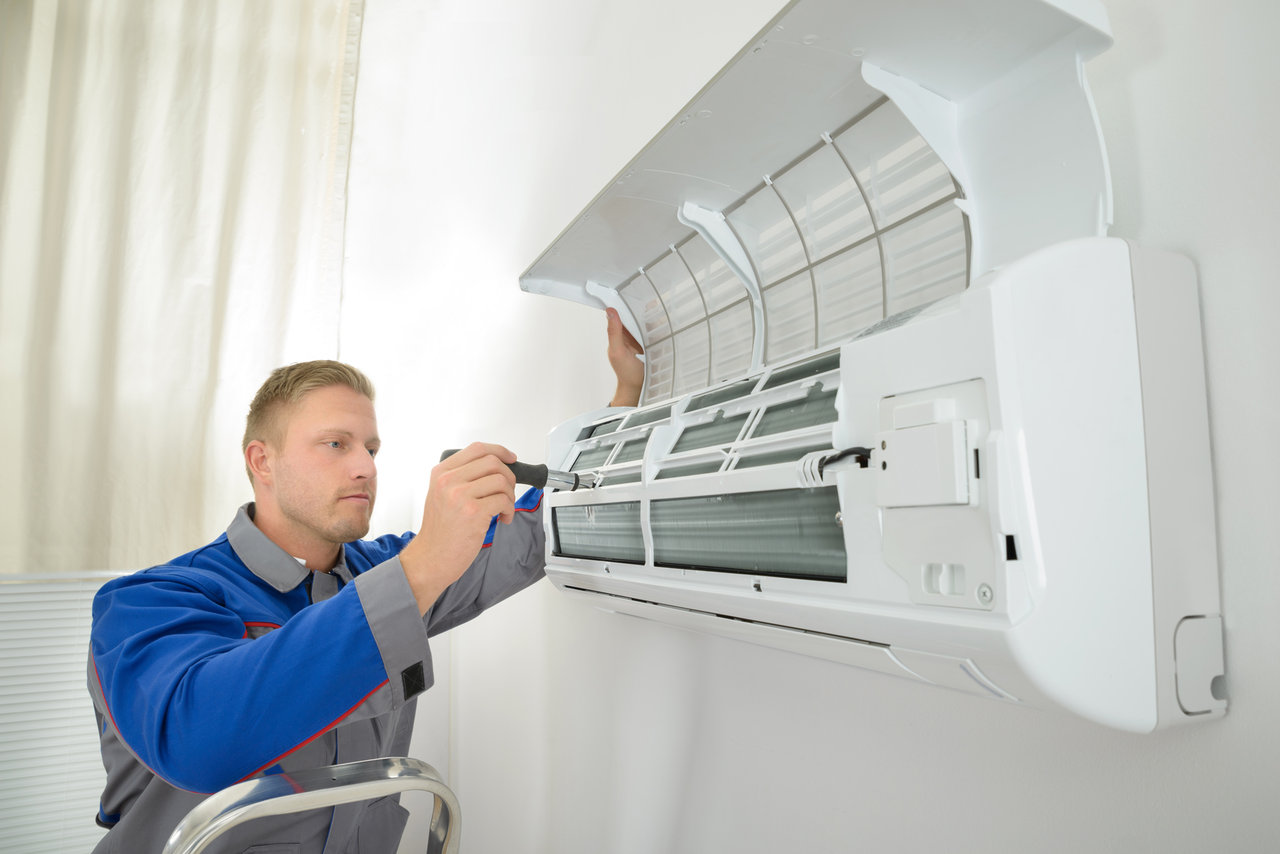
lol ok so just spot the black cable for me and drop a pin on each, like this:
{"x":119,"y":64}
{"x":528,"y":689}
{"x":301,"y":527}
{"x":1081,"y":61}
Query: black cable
{"x":861,"y":455}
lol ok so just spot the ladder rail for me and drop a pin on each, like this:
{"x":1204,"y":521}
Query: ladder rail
{"x":315,"y":788}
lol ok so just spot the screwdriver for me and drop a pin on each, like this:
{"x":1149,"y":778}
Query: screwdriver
{"x":539,"y":476}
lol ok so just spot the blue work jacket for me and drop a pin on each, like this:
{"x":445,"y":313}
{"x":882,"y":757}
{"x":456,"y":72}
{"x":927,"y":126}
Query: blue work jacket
{"x":235,"y":661}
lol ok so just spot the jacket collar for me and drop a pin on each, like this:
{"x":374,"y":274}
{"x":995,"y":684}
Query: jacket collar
{"x":267,"y":560}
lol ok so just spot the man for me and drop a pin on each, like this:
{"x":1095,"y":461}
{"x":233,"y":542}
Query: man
{"x":289,"y":642}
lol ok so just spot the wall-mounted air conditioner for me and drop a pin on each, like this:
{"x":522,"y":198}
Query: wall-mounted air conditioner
{"x":906,"y":405}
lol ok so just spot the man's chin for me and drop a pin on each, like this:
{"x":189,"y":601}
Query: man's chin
{"x":351,"y":530}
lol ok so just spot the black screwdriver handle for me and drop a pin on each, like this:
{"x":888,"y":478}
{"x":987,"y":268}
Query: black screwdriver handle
{"x":530,"y":475}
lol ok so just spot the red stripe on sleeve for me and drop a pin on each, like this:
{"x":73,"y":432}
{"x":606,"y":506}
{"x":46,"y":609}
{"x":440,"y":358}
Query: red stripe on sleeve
{"x":321,"y":732}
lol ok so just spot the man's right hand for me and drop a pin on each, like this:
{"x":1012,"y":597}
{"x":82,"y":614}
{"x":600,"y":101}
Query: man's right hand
{"x":467,"y":490}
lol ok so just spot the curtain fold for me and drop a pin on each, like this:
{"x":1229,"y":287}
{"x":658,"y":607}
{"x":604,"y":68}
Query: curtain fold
{"x":172,"y":196}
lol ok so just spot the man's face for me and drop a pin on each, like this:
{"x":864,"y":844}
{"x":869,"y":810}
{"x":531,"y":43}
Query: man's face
{"x":323,"y":476}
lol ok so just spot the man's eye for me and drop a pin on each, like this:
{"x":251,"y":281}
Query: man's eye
{"x":373,"y":452}
{"x":334,"y":444}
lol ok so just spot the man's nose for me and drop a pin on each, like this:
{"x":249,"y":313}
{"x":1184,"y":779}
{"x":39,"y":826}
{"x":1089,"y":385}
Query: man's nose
{"x":365,"y":466}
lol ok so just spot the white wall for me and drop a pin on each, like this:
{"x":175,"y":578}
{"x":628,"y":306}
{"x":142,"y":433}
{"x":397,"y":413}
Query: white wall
{"x":481,"y":130}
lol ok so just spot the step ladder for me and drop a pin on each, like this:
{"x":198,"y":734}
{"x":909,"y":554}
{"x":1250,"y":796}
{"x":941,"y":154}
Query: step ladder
{"x":315,"y":788}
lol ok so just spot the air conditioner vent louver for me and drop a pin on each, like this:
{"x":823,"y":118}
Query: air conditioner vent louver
{"x":818,"y":407}
{"x":720,"y":431}
{"x":600,"y":531}
{"x":690,"y":470}
{"x":789,"y":533}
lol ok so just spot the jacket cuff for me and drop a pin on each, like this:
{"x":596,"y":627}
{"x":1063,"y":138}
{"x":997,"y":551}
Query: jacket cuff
{"x":398,"y":629}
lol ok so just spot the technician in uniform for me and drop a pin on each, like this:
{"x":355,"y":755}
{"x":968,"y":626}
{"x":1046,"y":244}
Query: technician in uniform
{"x":289,"y":642}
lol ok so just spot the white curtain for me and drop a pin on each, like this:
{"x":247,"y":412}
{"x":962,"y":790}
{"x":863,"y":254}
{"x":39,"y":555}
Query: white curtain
{"x":172,"y":195}
{"x":172,"y":200}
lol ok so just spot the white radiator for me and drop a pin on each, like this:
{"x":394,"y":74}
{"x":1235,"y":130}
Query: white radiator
{"x":50,"y":770}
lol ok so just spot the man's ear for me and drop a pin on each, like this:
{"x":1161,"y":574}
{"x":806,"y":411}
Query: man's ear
{"x":258,"y":460}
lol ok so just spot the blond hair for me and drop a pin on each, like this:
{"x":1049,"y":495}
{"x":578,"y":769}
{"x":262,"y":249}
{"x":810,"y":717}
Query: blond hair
{"x":285,"y":388}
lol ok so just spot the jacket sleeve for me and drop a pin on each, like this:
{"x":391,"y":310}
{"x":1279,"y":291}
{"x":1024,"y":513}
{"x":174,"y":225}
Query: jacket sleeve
{"x":204,"y":706}
{"x":513,"y":557}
